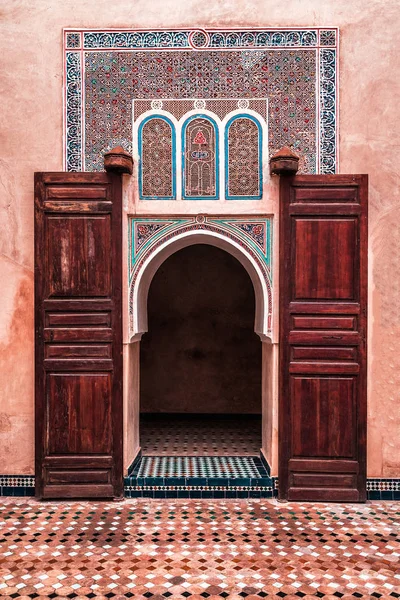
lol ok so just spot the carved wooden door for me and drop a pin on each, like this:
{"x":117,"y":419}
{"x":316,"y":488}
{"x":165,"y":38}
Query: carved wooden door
{"x":78,"y":324}
{"x":323,"y":324}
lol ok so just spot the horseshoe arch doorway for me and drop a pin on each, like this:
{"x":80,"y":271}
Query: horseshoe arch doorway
{"x":202,"y":243}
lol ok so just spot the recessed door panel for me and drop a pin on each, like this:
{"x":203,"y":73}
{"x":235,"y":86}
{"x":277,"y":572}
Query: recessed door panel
{"x":79,"y":413}
{"x":79,"y":259}
{"x":324,"y":259}
{"x":323,"y":417}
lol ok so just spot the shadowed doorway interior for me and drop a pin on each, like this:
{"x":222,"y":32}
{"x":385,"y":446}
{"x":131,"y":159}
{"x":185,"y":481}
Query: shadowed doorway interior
{"x":201,"y":360}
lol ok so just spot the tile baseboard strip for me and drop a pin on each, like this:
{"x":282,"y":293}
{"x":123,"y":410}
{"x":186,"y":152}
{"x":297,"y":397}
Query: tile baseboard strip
{"x":191,"y":492}
{"x":24,"y":486}
{"x":17,"y":485}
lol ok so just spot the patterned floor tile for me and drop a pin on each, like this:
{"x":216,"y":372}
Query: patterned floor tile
{"x":198,"y":466}
{"x":198,"y":550}
{"x":200,"y":435}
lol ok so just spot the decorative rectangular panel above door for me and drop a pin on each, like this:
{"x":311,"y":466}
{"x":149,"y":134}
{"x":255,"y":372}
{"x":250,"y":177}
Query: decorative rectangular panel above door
{"x":112,"y":77}
{"x":78,"y":296}
{"x":323,"y":320}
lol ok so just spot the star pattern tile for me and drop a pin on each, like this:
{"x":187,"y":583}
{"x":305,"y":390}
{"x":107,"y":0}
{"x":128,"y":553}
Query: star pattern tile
{"x":199,"y":550}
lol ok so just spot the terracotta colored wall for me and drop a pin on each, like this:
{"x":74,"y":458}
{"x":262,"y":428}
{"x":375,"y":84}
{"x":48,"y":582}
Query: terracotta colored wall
{"x":31,"y":139}
{"x":201,"y":353}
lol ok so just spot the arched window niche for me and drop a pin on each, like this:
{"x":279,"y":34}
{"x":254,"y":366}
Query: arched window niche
{"x":157,"y":152}
{"x":200,"y":161}
{"x":243,"y":158}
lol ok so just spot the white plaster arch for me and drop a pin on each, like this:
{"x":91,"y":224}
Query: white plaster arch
{"x":199,"y":112}
{"x":245,"y":112}
{"x":140,"y":286}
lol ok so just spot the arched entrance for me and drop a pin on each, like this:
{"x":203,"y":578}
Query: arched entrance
{"x":199,"y":235}
{"x":200,"y":368}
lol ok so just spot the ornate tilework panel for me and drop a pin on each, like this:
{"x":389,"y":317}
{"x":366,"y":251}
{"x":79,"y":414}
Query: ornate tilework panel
{"x":157,"y":154}
{"x":220,"y":107}
{"x":255,"y":230}
{"x":226,"y":39}
{"x":328,"y":111}
{"x":243,"y":158}
{"x":288,"y":78}
{"x":146,"y":235}
{"x":288,"y":67}
{"x":200,"y":152}
{"x":73,"y":120}
{"x":199,"y":38}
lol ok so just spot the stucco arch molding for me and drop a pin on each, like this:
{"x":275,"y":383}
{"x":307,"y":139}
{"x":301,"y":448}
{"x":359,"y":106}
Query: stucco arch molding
{"x":153,"y":240}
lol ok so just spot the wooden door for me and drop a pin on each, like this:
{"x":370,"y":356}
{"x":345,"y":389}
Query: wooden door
{"x":323,"y":325}
{"x":78,"y":324}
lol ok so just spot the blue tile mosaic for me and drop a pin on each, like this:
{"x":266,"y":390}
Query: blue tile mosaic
{"x":199,"y":477}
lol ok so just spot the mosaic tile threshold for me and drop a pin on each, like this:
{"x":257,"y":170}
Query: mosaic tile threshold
{"x":199,"y":466}
{"x":199,"y":550}
{"x":199,"y":477}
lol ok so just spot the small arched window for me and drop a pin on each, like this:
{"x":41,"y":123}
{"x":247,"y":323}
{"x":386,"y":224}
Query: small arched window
{"x":156,"y":142}
{"x":200,"y":158}
{"x":243,"y":158}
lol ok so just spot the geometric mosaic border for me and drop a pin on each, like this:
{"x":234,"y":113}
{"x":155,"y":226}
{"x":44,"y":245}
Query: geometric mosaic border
{"x":199,"y":477}
{"x":254,"y":234}
{"x":252,"y":44}
{"x":17,"y":485}
{"x":24,"y":485}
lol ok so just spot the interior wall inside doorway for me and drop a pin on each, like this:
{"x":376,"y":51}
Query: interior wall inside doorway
{"x":201,"y":354}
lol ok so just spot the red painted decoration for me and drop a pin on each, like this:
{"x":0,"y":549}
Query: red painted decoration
{"x":200,"y":139}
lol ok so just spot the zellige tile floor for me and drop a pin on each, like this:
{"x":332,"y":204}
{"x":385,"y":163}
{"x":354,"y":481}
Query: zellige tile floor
{"x":198,"y":466}
{"x":214,"y":549}
{"x":200,"y":435}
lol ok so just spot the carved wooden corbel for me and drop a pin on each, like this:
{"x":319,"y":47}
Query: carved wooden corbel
{"x":118,"y":160}
{"x":284,"y":162}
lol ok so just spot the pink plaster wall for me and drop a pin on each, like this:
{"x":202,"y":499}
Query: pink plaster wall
{"x":31,"y":139}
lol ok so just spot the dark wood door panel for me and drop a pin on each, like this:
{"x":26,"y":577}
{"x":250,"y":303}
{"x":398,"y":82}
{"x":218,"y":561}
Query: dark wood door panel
{"x":323,"y":256}
{"x":317,"y":337}
{"x":63,"y":351}
{"x":315,"y":322}
{"x":78,"y":334}
{"x":77,"y":319}
{"x":324,"y":307}
{"x":79,"y":413}
{"x":77,"y":476}
{"x":81,"y":192}
{"x":323,"y":412}
{"x":323,"y":310}
{"x":325,"y":353}
{"x":78,"y":314}
{"x":328,"y":480}
{"x":78,"y":253}
{"x":323,"y":368}
{"x":324,"y":195}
